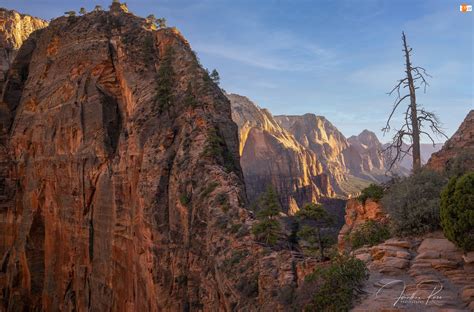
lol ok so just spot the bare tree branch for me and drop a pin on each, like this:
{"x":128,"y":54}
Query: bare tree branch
{"x":416,"y":119}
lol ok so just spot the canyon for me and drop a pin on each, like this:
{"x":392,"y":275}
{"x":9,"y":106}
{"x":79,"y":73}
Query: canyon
{"x":306,"y":158}
{"x":117,"y":194}
{"x":127,"y":178}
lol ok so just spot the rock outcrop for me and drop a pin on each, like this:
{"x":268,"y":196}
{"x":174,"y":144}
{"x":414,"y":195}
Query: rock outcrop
{"x":15,"y":28}
{"x":427,"y":273}
{"x":419,"y":274}
{"x":356,"y":214}
{"x":272,"y":156}
{"x":121,"y":187}
{"x":460,"y":145}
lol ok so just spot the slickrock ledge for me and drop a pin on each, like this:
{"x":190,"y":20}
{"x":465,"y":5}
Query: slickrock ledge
{"x":423,"y":265}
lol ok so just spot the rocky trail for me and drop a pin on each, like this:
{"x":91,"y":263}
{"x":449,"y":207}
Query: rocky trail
{"x":421,"y":274}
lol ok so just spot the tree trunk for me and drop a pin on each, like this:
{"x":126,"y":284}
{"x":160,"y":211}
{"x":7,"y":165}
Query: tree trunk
{"x":415,"y":131}
{"x":320,"y":241}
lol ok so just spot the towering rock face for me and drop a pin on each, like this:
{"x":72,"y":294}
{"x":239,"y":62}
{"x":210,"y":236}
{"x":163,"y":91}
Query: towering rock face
{"x":461,"y":145}
{"x":349,"y":166}
{"x":15,"y":28}
{"x":272,"y":156}
{"x":369,"y":147}
{"x":121,"y":188}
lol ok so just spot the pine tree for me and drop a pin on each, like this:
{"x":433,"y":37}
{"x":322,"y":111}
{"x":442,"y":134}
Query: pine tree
{"x":215,"y":77}
{"x":268,"y":228}
{"x":165,"y":81}
{"x":316,"y":218}
{"x":70,"y":13}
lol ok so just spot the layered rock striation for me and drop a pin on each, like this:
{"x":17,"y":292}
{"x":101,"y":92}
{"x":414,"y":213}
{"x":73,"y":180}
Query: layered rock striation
{"x":460,"y":145}
{"x":121,"y":187}
{"x":270,"y":155}
{"x":349,"y":163}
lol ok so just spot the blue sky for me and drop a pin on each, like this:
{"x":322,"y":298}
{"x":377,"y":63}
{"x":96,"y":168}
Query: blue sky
{"x":331,"y":58}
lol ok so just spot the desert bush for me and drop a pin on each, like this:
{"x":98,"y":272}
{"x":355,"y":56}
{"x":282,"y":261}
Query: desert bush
{"x":457,"y":211}
{"x":370,"y":233}
{"x":413,"y":203}
{"x":460,"y":164}
{"x":209,"y":189}
{"x":373,"y":191}
{"x":185,"y":199}
{"x":217,"y":148}
{"x":336,"y":284}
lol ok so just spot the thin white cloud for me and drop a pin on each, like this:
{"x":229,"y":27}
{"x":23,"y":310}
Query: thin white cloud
{"x":274,"y":50}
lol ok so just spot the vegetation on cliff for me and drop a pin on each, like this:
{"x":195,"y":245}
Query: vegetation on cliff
{"x":373,"y":191}
{"x":314,"y":218}
{"x":268,"y":228}
{"x":413,"y":203}
{"x":336,"y":284}
{"x":457,"y":211}
{"x":369,"y":233}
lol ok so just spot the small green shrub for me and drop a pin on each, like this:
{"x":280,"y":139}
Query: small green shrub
{"x":235,"y":228}
{"x":217,"y":148}
{"x":236,"y":258}
{"x":248,"y":286}
{"x":460,"y":164}
{"x":209,"y":189}
{"x":413,"y":203}
{"x":336,"y":283}
{"x":185,"y":199}
{"x":370,"y":233}
{"x":221,"y":198}
{"x":266,"y":231}
{"x":373,"y":191}
{"x":457,"y":211}
{"x":189,"y":98}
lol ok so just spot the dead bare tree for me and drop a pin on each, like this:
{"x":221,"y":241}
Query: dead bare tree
{"x":416,"y":118}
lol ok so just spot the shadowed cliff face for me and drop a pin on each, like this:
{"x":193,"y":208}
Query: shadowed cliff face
{"x":461,"y":145}
{"x":15,"y":28}
{"x":124,"y":184}
{"x":272,"y":156}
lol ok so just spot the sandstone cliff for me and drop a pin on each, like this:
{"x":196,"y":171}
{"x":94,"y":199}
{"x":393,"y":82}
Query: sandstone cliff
{"x":461,"y":144}
{"x":15,"y":28}
{"x":369,"y":148}
{"x":356,"y":214}
{"x":121,"y":188}
{"x":349,"y":166}
{"x":272,"y":156}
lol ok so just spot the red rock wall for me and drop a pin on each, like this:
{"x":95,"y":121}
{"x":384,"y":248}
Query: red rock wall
{"x":358,"y":213}
{"x":115,"y":201}
{"x":460,"y":144}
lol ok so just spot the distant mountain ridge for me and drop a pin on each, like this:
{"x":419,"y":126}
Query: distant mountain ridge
{"x":305,"y":157}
